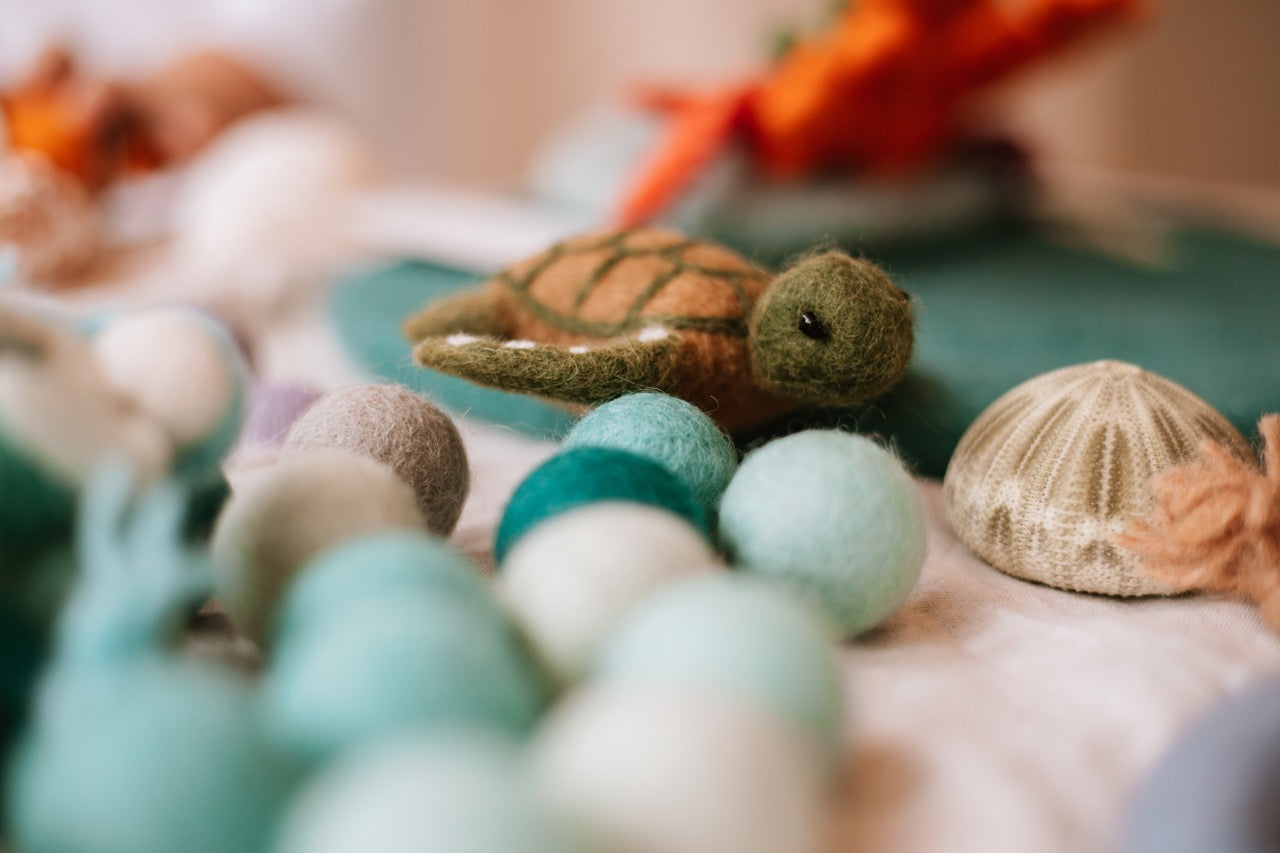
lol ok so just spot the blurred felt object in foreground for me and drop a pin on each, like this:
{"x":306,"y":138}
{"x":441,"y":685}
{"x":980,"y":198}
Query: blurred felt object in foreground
{"x":882,"y":92}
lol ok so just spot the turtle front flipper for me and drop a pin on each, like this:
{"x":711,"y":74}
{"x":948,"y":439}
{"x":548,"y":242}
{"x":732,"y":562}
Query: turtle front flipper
{"x":577,"y":374}
{"x":473,"y":312}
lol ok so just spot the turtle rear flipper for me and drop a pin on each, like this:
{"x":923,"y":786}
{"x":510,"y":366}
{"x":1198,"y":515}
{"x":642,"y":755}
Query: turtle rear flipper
{"x":473,"y":312}
{"x":579,"y":374}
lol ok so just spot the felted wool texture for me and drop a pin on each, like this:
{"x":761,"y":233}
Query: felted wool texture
{"x":461,"y":791}
{"x":148,"y":755}
{"x":585,"y":475}
{"x":289,"y":513}
{"x":591,"y":309}
{"x":1046,"y":478}
{"x":1216,"y":525}
{"x":833,"y":515}
{"x":185,"y":371}
{"x":667,"y":430}
{"x":36,"y":506}
{"x":384,"y":666}
{"x":402,"y":430}
{"x":569,"y":580}
{"x":862,"y":325}
{"x":754,"y":641}
{"x":679,"y":771}
{"x":393,"y":563}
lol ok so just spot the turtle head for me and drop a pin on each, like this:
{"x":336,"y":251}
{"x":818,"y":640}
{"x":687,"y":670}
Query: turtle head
{"x":831,"y":330}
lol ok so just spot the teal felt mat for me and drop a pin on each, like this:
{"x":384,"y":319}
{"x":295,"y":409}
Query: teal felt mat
{"x":992,"y":313}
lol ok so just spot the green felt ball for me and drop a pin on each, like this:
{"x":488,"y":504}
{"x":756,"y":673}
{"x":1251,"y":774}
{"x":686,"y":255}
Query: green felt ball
{"x":584,"y":475}
{"x":746,"y":638}
{"x":833,"y":514}
{"x":36,"y":503}
{"x":667,"y":430}
{"x":459,"y":791}
{"x":401,"y":562}
{"x":383,"y":666}
{"x":150,"y":757}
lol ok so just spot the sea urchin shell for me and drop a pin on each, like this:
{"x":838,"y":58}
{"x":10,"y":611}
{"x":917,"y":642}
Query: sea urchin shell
{"x":1045,"y":478}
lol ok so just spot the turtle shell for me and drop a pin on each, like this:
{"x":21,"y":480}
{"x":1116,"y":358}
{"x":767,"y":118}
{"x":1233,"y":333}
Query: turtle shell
{"x":619,"y":283}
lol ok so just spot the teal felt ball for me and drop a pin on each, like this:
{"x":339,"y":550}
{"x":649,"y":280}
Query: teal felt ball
{"x":151,"y":756}
{"x":459,"y":791}
{"x":406,"y":661}
{"x":667,"y":430}
{"x":393,"y":563}
{"x":834,"y":515}
{"x":743,"y":637}
{"x":584,"y":475}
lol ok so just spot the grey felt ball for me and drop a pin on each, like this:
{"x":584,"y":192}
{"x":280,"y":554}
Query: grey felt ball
{"x":403,"y":431}
{"x":287,"y":514}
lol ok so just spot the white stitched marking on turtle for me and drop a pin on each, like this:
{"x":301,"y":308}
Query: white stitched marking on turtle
{"x":520,"y":345}
{"x":653,"y":333}
{"x":460,"y":339}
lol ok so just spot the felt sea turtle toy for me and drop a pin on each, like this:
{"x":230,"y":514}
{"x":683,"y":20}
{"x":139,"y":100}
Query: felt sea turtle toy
{"x":602,"y":315}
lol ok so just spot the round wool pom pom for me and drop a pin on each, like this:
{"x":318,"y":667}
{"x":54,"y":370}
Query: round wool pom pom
{"x":402,"y":430}
{"x":754,"y":641}
{"x":150,"y":757}
{"x":667,"y":430}
{"x":403,"y":661}
{"x":389,"y":564}
{"x":287,"y":514}
{"x":833,"y":514}
{"x":460,"y":792}
{"x":570,"y":579}
{"x":680,"y":773}
{"x":586,"y":475}
{"x":184,"y":370}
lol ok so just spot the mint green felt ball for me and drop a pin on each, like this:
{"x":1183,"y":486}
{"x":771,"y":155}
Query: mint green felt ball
{"x":668,"y":430}
{"x":382,"y":666}
{"x":459,"y":791}
{"x":834,"y":515}
{"x":400,"y":562}
{"x":153,"y":756}
{"x":747,"y":638}
{"x":584,"y":475}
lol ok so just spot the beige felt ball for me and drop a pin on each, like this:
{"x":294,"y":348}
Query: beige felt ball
{"x":285,"y":515}
{"x":571,"y":578}
{"x":173,"y":364}
{"x":402,"y":430}
{"x":679,"y":772}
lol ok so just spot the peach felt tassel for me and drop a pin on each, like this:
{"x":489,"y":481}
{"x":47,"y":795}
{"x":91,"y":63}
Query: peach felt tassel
{"x":1216,"y":526}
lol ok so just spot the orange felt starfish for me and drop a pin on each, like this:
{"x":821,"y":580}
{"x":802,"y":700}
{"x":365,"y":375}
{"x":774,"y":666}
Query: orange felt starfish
{"x":1216,"y":525}
{"x":880,"y":92}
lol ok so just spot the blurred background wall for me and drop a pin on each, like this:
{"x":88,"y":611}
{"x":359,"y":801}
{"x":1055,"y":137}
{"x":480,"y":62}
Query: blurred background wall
{"x":461,"y":91}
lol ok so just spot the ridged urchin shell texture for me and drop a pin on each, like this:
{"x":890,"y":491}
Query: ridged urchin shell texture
{"x":1049,"y":472}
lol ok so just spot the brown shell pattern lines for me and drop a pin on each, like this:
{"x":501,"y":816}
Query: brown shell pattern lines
{"x":605,"y":285}
{"x":1051,"y":471}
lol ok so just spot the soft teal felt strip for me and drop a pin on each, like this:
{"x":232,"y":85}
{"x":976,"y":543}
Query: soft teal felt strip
{"x":369,"y":307}
{"x":992,"y":311}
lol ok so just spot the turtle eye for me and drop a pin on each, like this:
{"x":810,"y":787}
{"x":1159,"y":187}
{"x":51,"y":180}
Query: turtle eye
{"x":811,"y":325}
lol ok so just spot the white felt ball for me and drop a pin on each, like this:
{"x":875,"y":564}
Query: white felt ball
{"x":289,"y":513}
{"x":425,"y":794}
{"x":652,"y":770}
{"x":571,"y":578}
{"x":57,"y":406}
{"x":180,"y":368}
{"x":835,"y":516}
